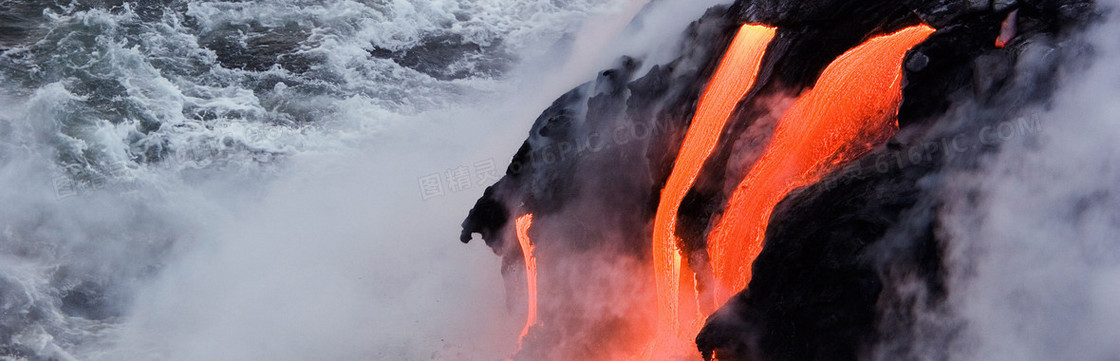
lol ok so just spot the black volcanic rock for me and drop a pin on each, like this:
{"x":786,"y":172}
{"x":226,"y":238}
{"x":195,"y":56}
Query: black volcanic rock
{"x":828,"y":283}
{"x":832,"y":280}
{"x":800,"y":52}
{"x":813,"y":293}
{"x":590,"y":172}
{"x":940,"y":67}
{"x":623,"y":126}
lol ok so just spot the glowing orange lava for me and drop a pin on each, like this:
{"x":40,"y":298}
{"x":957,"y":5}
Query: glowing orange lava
{"x":523,"y":223}
{"x":730,"y":83}
{"x":853,"y":104}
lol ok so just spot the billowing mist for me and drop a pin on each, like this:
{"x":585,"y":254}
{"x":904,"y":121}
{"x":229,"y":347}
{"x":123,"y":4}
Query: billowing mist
{"x":1032,"y":255}
{"x":285,"y":212}
{"x":285,"y":180}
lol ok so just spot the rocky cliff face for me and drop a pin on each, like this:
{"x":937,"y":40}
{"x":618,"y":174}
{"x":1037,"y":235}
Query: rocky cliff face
{"x":847,"y":260}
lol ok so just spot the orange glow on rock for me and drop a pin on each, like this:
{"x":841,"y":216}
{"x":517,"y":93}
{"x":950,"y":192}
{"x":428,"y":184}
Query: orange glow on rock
{"x":730,"y":83}
{"x":1007,"y":29}
{"x":522,"y":226}
{"x":853,"y":105}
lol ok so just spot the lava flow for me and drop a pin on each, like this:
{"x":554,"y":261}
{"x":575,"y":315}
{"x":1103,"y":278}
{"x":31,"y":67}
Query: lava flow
{"x":852,"y":106}
{"x":522,"y":225}
{"x":730,"y":83}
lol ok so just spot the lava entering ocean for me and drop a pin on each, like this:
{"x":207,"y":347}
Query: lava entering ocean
{"x":848,"y":111}
{"x":851,"y":109}
{"x":696,"y":207}
{"x":731,"y":81}
{"x":522,"y":228}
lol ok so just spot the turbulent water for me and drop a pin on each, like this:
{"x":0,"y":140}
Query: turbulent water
{"x":284,"y":180}
{"x":239,"y":179}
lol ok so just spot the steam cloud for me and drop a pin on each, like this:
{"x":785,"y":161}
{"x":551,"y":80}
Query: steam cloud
{"x":1033,"y":261}
{"x":336,"y":257}
{"x":341,"y":259}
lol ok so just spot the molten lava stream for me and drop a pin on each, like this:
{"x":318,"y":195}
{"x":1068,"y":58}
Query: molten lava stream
{"x":853,"y":104}
{"x":730,"y":83}
{"x":522,"y":225}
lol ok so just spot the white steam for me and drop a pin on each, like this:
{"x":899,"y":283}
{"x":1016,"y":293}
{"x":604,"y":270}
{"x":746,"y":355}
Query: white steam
{"x":341,"y":259}
{"x":337,"y":256}
{"x":1036,"y":258}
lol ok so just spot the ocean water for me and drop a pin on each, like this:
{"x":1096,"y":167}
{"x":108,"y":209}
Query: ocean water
{"x":274,"y":179}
